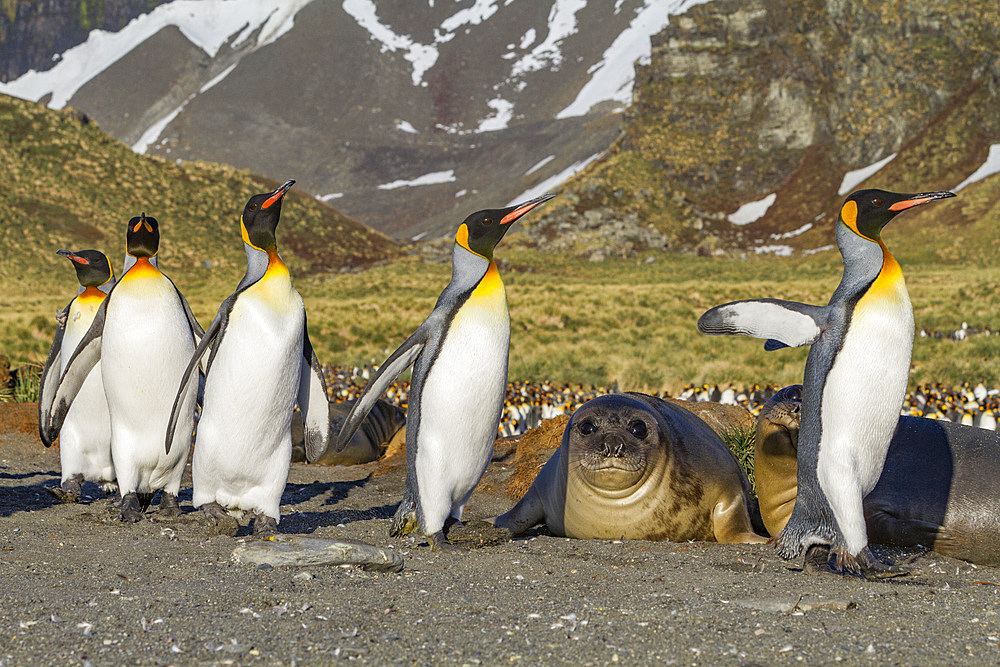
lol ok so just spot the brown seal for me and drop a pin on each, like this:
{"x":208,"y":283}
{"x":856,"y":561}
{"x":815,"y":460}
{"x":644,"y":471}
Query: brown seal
{"x":369,"y":442}
{"x":939,"y":487}
{"x":636,"y":467}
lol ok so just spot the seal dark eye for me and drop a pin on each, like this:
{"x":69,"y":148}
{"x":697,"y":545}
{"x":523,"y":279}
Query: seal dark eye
{"x":876,"y":203}
{"x":586,"y":427}
{"x":487,"y":221}
{"x":638,"y":429}
{"x":252,"y":207}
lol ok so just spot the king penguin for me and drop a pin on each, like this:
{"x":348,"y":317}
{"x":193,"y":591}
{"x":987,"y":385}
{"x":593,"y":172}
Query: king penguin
{"x":85,"y":436}
{"x":142,"y":336}
{"x":459,"y":380}
{"x":261,"y":364}
{"x":855,"y":381}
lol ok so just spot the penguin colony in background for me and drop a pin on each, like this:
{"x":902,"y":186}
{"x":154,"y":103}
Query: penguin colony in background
{"x":136,"y":344}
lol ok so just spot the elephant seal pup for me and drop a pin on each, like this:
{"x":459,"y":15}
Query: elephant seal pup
{"x":369,"y":442}
{"x":636,"y":467}
{"x":940,"y":486}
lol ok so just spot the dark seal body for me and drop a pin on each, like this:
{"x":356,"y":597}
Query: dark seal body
{"x":939,"y":487}
{"x":636,"y":467}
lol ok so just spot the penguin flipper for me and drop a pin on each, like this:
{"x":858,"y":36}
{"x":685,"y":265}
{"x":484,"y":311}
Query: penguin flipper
{"x":196,"y":329}
{"x":49,"y":383}
{"x":86,"y":356}
{"x":390,"y":369}
{"x":207,"y":338}
{"x":786,"y":323}
{"x":313,"y":401}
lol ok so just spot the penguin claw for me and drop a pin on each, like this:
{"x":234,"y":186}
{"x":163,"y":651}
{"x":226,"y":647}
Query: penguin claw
{"x":439,"y":543}
{"x":169,"y":507}
{"x":264,"y":527}
{"x":824,"y":559}
{"x":130,"y":511}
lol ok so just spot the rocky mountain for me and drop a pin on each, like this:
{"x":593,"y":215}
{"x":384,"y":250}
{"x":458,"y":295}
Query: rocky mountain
{"x":754,"y":117}
{"x":405,"y":115}
{"x":68,"y":184}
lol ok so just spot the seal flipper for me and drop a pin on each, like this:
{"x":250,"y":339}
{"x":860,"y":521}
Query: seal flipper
{"x":207,"y":338}
{"x":49,"y":382}
{"x":527,"y":513}
{"x":884,"y":528}
{"x":313,"y":400}
{"x":788,"y":323}
{"x":398,"y":362}
{"x":87,"y":355}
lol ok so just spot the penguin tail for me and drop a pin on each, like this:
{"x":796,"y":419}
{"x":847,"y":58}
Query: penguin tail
{"x":405,"y":520}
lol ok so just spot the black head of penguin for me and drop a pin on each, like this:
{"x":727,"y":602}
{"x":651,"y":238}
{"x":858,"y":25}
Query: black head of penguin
{"x":260,"y":218}
{"x":142,"y":236}
{"x":481,"y":232}
{"x":866,"y":212}
{"x":92,"y":267}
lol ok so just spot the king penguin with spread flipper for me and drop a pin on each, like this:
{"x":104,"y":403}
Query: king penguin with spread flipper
{"x":85,"y":436}
{"x":458,"y":384}
{"x":142,"y":336}
{"x":855,"y":381}
{"x":261,"y":364}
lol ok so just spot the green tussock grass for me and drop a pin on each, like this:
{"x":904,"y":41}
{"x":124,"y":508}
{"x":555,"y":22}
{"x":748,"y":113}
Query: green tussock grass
{"x":741,"y":442}
{"x":579,"y":321}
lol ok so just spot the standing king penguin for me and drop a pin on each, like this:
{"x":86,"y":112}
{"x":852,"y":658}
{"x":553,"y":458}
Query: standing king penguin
{"x":142,"y":337}
{"x":261,"y":364}
{"x":855,"y":381}
{"x":458,"y":384}
{"x":85,"y":436}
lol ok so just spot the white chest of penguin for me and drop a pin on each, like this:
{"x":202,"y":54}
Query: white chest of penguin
{"x":260,"y":353}
{"x":463,"y":393}
{"x":867,"y":383}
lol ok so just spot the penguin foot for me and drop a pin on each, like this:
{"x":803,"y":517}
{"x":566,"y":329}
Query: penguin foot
{"x":439,"y":543}
{"x":109,"y":488}
{"x":169,"y":507}
{"x":824,"y":559}
{"x":403,"y":523}
{"x":130,"y":509}
{"x":219,"y":521}
{"x":69,"y":491}
{"x":144,"y":500}
{"x":264,"y":526}
{"x":865,"y":564}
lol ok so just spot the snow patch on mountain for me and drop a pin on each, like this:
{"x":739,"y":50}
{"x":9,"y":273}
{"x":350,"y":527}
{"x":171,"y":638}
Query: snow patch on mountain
{"x":208,"y":24}
{"x":553,"y":182}
{"x":858,"y":176}
{"x":613,"y":77}
{"x":988,"y":168}
{"x":433,"y":178}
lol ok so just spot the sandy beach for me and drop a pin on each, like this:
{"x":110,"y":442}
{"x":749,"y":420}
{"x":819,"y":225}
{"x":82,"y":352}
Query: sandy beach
{"x":80,"y":587}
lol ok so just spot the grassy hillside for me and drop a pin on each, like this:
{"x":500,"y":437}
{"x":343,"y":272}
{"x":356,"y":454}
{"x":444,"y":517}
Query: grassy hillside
{"x":67,"y":184}
{"x":580,"y":321}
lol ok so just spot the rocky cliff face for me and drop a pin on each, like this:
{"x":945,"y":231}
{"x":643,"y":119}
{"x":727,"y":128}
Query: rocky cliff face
{"x":744,"y":99}
{"x":32,"y":31}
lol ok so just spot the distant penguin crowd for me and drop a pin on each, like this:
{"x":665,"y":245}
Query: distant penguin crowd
{"x":133,"y":383}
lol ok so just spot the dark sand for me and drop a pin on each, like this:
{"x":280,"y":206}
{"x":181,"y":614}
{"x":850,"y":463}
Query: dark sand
{"x":77,"y":587}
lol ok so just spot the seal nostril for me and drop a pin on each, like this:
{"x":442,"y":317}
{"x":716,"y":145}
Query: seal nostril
{"x":618,"y":449}
{"x":605,"y":450}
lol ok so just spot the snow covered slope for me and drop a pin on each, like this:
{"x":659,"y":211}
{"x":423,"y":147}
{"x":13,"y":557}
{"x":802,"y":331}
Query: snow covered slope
{"x":410,"y":114}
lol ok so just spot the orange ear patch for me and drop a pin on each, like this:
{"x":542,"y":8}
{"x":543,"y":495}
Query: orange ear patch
{"x":849,"y":214}
{"x":462,"y":237}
